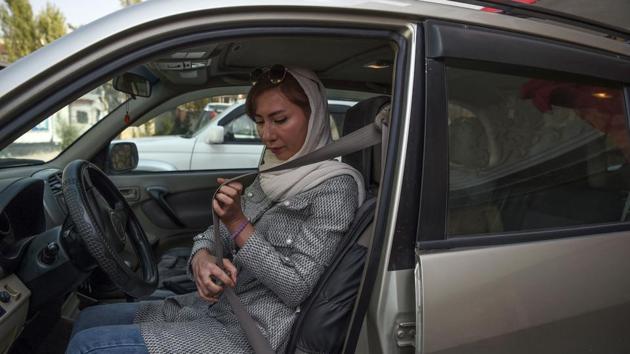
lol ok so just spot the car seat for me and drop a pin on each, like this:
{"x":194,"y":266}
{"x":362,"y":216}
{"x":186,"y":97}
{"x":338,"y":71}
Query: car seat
{"x":324,"y":317}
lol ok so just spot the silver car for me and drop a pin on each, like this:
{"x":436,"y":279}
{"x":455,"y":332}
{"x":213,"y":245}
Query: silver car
{"x":502,"y":186}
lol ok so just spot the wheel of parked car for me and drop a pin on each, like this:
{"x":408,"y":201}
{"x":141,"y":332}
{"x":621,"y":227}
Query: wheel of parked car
{"x":109,"y":229}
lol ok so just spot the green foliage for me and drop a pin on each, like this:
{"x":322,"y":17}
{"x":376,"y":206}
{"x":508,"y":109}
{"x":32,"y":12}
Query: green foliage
{"x":164,"y":123}
{"x":67,"y":132}
{"x":24,"y":33}
{"x":195,"y":106}
{"x":51,"y":24}
{"x":110,"y":96}
{"x":18,"y":27}
{"x":125,"y":3}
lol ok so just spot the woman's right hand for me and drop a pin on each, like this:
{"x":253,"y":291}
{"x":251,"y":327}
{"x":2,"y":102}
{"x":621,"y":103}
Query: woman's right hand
{"x":206,"y":271}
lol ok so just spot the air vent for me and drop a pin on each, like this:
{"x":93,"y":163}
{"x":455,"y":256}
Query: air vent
{"x":54,"y":182}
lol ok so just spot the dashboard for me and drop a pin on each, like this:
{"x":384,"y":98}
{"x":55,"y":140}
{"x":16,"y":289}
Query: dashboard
{"x":21,"y":218}
{"x":7,"y":233}
{"x":36,"y":259}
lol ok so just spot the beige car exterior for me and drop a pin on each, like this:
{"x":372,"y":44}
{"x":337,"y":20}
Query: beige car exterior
{"x":481,"y":242}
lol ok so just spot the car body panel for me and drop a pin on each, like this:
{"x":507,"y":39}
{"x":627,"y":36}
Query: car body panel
{"x":230,"y":156}
{"x":151,"y":152}
{"x":502,"y":297}
{"x":485,"y":298}
{"x":152,"y":11}
{"x":548,"y":288}
{"x":391,"y":294}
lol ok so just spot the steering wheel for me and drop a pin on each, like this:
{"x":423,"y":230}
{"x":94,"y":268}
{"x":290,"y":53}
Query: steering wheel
{"x":109,"y":228}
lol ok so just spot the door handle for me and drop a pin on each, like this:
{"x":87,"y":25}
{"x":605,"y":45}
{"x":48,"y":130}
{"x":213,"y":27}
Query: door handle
{"x":130,"y":193}
{"x":159,"y":195}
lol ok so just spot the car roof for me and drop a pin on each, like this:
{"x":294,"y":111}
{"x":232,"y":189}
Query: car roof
{"x":158,"y":12}
{"x":610,"y":14}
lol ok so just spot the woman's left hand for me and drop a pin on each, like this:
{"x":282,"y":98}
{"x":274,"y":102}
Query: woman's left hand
{"x":227,"y":203}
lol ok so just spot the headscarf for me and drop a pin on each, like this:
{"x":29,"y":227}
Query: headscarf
{"x":282,"y":185}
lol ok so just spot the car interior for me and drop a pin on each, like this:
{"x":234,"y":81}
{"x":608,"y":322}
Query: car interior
{"x":54,"y":263}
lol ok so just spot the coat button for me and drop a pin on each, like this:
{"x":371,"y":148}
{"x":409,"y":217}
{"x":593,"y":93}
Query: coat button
{"x":286,"y":203}
{"x":250,"y":194}
{"x":289,"y":241}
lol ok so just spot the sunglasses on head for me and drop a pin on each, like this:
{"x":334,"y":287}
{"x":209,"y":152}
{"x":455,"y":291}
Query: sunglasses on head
{"x":275,"y":74}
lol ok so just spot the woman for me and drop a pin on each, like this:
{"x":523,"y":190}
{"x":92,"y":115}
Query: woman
{"x":281,"y":234}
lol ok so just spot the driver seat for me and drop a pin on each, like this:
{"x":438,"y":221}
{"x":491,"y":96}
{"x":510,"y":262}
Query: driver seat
{"x":324,"y":317}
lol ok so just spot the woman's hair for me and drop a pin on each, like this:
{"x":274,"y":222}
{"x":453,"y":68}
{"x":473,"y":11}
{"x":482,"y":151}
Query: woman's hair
{"x":289,"y":87}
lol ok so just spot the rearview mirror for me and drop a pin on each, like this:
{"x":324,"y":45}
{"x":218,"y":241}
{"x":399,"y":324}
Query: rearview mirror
{"x":133,"y":84}
{"x":122,"y":157}
{"x":215,"y":134}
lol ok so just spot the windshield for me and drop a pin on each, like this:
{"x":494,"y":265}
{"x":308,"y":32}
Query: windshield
{"x":53,"y":135}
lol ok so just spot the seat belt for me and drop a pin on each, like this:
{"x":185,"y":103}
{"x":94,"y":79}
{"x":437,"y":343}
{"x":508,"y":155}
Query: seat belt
{"x":363,"y":138}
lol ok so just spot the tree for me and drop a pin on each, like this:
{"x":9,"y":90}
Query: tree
{"x":18,"y":27}
{"x":125,"y":3}
{"x":24,"y":33}
{"x":51,"y":24}
{"x":67,"y":132}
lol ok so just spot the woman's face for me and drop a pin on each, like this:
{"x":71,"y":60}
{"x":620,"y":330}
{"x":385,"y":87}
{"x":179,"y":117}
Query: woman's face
{"x":281,"y":124}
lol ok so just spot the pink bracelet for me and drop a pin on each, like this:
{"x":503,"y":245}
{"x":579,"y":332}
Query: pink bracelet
{"x":240,"y":229}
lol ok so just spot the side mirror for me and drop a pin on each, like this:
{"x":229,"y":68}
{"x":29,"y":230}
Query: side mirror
{"x":122,"y":157}
{"x":215,"y":134}
{"x":133,"y":84}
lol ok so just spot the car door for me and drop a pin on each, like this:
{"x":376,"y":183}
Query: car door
{"x":523,"y":233}
{"x":171,"y":188}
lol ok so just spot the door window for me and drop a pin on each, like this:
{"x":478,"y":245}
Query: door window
{"x":241,"y":130}
{"x":182,"y":120}
{"x":55,"y":133}
{"x":176,"y":139}
{"x":530,"y":151}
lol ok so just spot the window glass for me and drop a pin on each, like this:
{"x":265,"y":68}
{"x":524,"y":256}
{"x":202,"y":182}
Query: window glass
{"x":185,"y":137}
{"x":534,"y":151}
{"x":51,"y":136}
{"x":241,"y":129}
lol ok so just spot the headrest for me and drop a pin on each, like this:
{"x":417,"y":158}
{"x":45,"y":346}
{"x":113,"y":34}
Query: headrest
{"x":360,"y":115}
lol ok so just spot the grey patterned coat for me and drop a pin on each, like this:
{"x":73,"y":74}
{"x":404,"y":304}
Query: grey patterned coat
{"x":278,"y":267}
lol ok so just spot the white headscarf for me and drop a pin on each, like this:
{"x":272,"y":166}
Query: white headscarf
{"x":284,"y":184}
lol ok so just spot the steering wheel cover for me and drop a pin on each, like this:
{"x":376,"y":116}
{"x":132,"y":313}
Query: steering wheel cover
{"x":97,"y":243}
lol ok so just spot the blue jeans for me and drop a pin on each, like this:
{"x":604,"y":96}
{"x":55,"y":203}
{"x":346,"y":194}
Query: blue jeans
{"x":107,"y":329}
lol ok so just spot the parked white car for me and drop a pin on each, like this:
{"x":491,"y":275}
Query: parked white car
{"x":229,"y":140}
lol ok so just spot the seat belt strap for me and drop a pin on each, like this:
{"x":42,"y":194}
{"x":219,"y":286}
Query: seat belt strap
{"x":360,"y":139}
